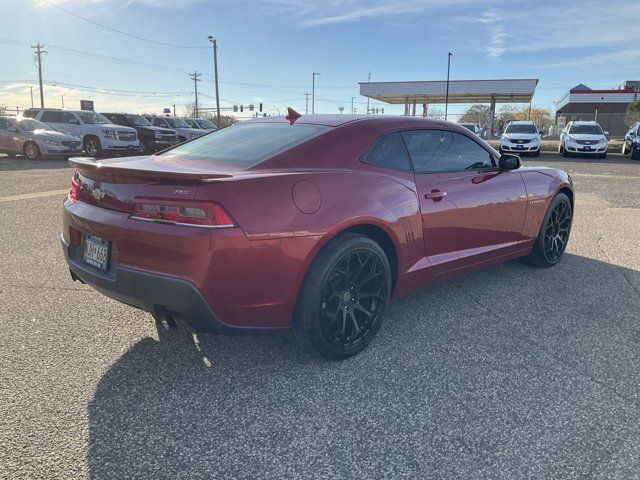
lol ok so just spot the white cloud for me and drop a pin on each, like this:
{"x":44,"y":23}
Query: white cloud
{"x":120,"y":4}
{"x":496,"y":46}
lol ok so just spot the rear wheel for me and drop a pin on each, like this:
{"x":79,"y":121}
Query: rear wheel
{"x":92,"y":146}
{"x":343,"y":298}
{"x":32,"y":151}
{"x":635,"y":152}
{"x":554,"y":233}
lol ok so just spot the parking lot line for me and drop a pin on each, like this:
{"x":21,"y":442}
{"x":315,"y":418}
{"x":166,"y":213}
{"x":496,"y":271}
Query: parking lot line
{"x":28,"y":196}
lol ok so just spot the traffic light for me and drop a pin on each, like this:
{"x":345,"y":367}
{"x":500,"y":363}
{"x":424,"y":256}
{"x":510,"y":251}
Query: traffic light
{"x":260,"y":107}
{"x":241,"y":108}
{"x":235,"y":108}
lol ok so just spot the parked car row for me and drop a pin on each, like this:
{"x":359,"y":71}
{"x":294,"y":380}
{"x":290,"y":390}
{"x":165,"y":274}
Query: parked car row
{"x":57,"y":132}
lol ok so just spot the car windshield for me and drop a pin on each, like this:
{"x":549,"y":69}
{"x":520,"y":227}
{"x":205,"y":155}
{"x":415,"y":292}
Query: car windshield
{"x":30,"y":125}
{"x":93,"y":118}
{"x":586,"y":129}
{"x":521,"y":128}
{"x":246,"y":143}
{"x":191,"y":123}
{"x":469,"y":126}
{"x":176,"y":122}
{"x":206,"y":124}
{"x":138,"y":120}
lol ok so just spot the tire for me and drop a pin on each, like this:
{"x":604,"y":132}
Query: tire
{"x":182,"y":139}
{"x":555,"y":223}
{"x":92,"y":146}
{"x":32,"y":151}
{"x":635,"y":153}
{"x":536,"y":154}
{"x":143,"y":147}
{"x":603,"y":155}
{"x":564,"y":152}
{"x":343,"y":298}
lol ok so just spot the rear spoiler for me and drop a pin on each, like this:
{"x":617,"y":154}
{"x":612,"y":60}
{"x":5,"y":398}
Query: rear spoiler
{"x":93,"y":167}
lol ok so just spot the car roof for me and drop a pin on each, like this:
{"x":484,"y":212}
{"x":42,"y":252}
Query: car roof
{"x":331,"y":120}
{"x":523,"y":122}
{"x":585,"y":122}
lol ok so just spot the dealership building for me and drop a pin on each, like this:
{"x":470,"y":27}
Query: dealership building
{"x":607,"y":107}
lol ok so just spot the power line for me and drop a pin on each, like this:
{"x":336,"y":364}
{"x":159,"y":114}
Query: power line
{"x":101,"y":25}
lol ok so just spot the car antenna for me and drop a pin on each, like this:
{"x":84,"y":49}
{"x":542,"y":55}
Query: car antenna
{"x":292,"y":115}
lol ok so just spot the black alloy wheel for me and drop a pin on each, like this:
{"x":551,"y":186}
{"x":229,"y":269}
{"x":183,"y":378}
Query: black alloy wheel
{"x":343,"y":298}
{"x":353,"y":297}
{"x":554,"y":233}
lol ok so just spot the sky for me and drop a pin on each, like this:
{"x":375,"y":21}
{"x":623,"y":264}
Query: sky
{"x":268,"y":49}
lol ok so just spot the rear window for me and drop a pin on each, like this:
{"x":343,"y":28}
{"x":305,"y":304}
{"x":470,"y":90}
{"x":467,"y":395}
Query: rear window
{"x":246,"y":143}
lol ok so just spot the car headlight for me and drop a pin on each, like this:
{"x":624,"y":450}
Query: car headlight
{"x":571,"y":139}
{"x":504,"y":138}
{"x":602,"y":140}
{"x":110,"y":134}
{"x":52,"y":142}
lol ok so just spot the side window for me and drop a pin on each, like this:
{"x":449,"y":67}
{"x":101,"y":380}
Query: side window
{"x":388,"y":152}
{"x":435,"y":151}
{"x":3,"y":123}
{"x":158,"y":122}
{"x":70,"y":118}
{"x":52,"y":116}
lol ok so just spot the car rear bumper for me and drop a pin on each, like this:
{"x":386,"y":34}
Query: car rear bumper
{"x":155,"y":293}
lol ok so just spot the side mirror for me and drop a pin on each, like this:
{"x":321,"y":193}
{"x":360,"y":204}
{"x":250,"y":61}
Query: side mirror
{"x":509,"y":162}
{"x":606,"y":133}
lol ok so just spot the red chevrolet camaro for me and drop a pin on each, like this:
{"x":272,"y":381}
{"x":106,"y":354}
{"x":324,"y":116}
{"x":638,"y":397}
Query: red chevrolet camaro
{"x":309,"y":225}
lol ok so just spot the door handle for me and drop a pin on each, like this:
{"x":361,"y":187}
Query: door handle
{"x":435,"y":195}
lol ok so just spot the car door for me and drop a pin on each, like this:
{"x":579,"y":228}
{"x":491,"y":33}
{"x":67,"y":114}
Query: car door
{"x":7,"y":141}
{"x":471,"y":211}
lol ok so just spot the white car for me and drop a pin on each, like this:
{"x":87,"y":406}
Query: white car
{"x":472,"y":127}
{"x":97,"y":133}
{"x":520,"y":137}
{"x":182,"y":128}
{"x":583,"y":138}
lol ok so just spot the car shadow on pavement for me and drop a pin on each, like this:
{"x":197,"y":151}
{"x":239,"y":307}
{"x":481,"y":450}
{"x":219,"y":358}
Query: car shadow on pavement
{"x":509,"y":372}
{"x":12,"y":164}
{"x":612,"y":158}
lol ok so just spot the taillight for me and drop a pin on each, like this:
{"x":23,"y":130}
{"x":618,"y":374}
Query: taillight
{"x":206,"y":214}
{"x":74,"y":191}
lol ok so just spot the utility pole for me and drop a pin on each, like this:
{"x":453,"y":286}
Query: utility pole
{"x":306,"y":102}
{"x":174,"y":110}
{"x":313,"y":92}
{"x":31,"y":96}
{"x":196,"y":78}
{"x":38,"y":47}
{"x":215,"y":71}
{"x":446,"y":101}
{"x":352,"y":111}
{"x":368,"y":97}
{"x":62,"y":96}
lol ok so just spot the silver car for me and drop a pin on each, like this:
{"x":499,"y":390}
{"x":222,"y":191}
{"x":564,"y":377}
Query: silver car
{"x":34,"y":139}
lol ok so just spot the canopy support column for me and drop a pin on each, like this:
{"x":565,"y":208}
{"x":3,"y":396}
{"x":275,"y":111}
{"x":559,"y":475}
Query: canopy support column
{"x":492,"y":116}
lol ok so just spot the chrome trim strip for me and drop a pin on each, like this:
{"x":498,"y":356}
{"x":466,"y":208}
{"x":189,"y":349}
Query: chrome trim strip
{"x":165,"y":222}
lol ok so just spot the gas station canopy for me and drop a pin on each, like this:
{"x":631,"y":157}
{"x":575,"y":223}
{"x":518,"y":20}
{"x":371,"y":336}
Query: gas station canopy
{"x":460,"y":91}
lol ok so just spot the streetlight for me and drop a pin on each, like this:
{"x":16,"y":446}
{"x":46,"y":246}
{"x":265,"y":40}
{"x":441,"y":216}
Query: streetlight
{"x":313,"y":92}
{"x":446,"y":100}
{"x":215,"y":70}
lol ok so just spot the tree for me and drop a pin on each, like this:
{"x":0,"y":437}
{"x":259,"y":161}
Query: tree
{"x":632,"y":115}
{"x":436,"y":113}
{"x":3,"y":109}
{"x":540,"y":116}
{"x":477,"y":113}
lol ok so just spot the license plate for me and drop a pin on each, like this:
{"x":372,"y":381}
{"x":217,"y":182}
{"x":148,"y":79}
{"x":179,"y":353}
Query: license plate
{"x":130,"y":148}
{"x":587,"y":148}
{"x":519,"y":147}
{"x":96,"y":252}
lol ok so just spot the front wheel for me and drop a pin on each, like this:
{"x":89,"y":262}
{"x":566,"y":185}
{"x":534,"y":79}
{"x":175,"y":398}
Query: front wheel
{"x":554,"y":233}
{"x":635,"y":153}
{"x":603,"y":155}
{"x":32,"y":151}
{"x":92,"y":146}
{"x":343,"y":298}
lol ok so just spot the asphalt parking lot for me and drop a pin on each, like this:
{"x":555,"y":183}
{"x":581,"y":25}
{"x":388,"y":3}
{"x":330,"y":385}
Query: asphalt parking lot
{"x":506,"y":373}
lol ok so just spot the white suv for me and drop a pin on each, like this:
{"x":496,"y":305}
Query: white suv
{"x":585,"y":138}
{"x":521,"y":137}
{"x":97,"y":133}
